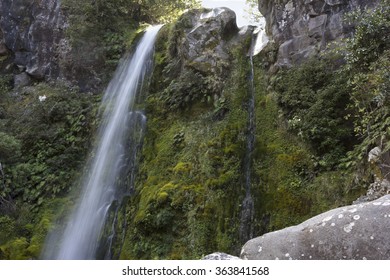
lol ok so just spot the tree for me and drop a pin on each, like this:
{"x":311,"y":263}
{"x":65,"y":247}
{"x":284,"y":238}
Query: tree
{"x":253,"y":12}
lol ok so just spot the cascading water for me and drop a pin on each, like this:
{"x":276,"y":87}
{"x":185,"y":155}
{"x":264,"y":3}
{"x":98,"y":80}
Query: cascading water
{"x":259,"y":41}
{"x":120,"y":136}
{"x":247,"y":211}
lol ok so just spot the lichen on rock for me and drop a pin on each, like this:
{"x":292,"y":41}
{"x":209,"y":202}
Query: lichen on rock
{"x":351,"y":232}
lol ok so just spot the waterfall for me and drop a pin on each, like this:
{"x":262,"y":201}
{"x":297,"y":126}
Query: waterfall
{"x":247,"y":211}
{"x":120,"y":136}
{"x":259,"y":41}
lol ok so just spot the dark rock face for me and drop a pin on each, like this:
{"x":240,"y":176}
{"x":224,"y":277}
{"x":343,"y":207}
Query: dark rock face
{"x":34,"y":32}
{"x":351,"y":232}
{"x":3,"y":47}
{"x":301,"y":28}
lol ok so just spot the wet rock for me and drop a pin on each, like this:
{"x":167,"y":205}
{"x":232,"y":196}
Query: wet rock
{"x":351,"y":232}
{"x":379,"y":162}
{"x":3,"y":47}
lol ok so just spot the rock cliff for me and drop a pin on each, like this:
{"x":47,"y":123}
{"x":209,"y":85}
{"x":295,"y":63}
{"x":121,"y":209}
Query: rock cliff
{"x":301,"y":28}
{"x":190,"y":177}
{"x":33,"y":34}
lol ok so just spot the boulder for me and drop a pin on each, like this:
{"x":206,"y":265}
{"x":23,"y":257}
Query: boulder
{"x":352,"y":232}
{"x":22,"y":80}
{"x":204,"y":45}
{"x":220,"y":256}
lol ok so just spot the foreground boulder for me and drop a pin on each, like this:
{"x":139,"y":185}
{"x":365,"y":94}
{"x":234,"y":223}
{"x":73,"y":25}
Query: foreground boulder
{"x":220,"y":256}
{"x":352,"y":232}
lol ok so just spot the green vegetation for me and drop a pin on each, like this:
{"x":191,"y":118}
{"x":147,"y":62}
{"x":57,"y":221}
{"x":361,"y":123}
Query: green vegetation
{"x":188,"y":195}
{"x":315,"y":124}
{"x":368,"y":61}
{"x":43,"y":149}
{"x":314,"y":98}
{"x":102,"y":31}
{"x":191,"y":186}
{"x":293,"y":179}
{"x":338,"y":105}
{"x":44,"y":144}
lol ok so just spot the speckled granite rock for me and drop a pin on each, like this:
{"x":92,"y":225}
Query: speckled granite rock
{"x":352,"y":232}
{"x":220,"y":256}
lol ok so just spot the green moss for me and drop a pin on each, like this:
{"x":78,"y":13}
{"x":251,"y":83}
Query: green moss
{"x":291,"y":183}
{"x":7,"y":225}
{"x":187,"y":201}
{"x":182,"y":168}
{"x":16,"y":249}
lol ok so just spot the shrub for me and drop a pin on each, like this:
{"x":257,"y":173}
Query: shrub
{"x":314,"y":98}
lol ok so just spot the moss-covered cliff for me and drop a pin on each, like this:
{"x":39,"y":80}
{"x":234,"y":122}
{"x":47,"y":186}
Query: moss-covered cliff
{"x":191,"y":185}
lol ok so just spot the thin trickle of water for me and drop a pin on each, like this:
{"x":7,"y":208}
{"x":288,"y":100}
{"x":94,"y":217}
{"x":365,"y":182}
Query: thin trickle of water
{"x":119,"y":137}
{"x":260,"y":42}
{"x":247,"y":212}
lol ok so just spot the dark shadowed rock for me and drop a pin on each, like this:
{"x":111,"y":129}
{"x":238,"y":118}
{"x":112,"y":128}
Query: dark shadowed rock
{"x":33,"y":31}
{"x":3,"y":49}
{"x":352,"y":232}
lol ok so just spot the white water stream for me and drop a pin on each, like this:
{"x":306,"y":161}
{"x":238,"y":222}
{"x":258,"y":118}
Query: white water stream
{"x":80,"y":240}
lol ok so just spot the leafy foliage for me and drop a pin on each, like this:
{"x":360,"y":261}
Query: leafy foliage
{"x":368,"y":61}
{"x":10,"y":147}
{"x":314,"y":97}
{"x":254,"y":15}
{"x":343,"y":110}
{"x":45,"y":142}
{"x":371,"y":38}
